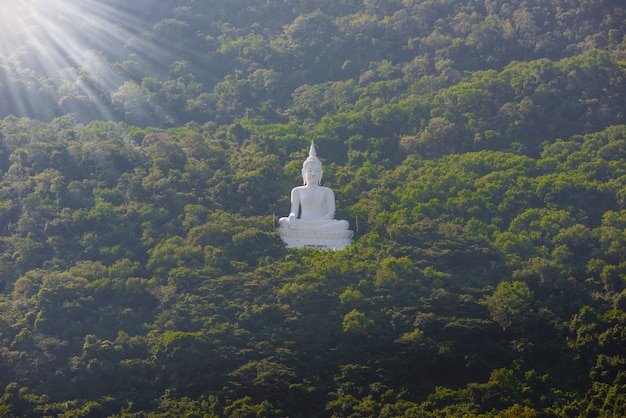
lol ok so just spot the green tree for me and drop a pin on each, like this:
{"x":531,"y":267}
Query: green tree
{"x":510,"y":303}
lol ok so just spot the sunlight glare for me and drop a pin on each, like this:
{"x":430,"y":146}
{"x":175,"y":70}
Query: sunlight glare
{"x":69,"y":46}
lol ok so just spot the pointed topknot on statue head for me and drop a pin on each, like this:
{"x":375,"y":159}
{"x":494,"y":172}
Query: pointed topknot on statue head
{"x":312,"y":159}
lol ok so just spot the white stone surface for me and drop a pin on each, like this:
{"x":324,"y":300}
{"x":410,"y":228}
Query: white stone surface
{"x":311,"y":222}
{"x":316,"y":240}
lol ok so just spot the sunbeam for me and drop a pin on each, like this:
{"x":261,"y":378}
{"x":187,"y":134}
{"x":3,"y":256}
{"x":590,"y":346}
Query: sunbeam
{"x":57,"y":55}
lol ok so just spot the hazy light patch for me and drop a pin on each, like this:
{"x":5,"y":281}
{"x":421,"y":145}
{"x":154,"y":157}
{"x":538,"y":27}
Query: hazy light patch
{"x":13,"y":23}
{"x":70,"y":49}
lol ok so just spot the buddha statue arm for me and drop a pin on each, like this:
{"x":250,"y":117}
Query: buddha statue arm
{"x":329,"y":201}
{"x":295,"y":206}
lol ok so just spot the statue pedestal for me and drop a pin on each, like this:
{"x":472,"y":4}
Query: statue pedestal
{"x":318,"y":240}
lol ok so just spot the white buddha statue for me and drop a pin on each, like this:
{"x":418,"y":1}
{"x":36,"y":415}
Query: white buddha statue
{"x":311,"y":221}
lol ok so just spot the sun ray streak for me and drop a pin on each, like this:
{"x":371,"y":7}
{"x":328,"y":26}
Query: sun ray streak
{"x":69,"y":52}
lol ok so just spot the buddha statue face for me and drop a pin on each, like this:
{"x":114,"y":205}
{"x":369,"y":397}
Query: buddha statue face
{"x":312,"y":173}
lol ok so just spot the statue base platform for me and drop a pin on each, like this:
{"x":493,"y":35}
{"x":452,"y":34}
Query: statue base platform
{"x":317,"y":240}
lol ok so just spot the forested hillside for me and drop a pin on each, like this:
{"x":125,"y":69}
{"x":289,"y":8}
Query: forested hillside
{"x":478,"y":149}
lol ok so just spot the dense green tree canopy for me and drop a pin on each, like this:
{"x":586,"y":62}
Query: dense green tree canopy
{"x":478,"y":150}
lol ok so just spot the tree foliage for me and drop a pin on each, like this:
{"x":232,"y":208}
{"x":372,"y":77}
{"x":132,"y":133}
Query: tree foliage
{"x":477,"y":148}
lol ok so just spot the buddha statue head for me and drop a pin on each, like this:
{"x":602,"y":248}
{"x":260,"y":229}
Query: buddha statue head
{"x":312,"y":168}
